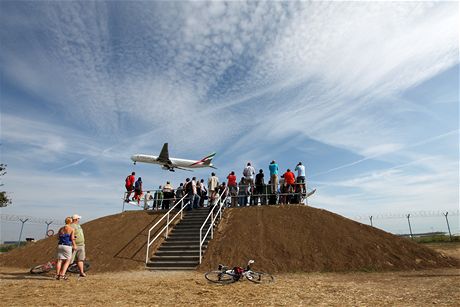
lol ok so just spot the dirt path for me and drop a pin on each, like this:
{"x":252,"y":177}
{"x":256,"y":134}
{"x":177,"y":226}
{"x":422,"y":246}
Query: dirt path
{"x":415,"y":288}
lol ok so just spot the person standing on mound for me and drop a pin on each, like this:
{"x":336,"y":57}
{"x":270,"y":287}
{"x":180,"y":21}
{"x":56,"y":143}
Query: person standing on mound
{"x":213,"y":183}
{"x":129,"y":185}
{"x":233,"y":188}
{"x":273,"y":167}
{"x":289,"y":181}
{"x":301,"y":177}
{"x":138,"y":190}
{"x":64,"y":250}
{"x":79,"y":253}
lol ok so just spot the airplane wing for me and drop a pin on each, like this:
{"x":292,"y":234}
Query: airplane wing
{"x":164,"y":154}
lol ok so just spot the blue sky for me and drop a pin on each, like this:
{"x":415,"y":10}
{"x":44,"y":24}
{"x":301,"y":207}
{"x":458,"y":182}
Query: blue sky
{"x":366,"y":94}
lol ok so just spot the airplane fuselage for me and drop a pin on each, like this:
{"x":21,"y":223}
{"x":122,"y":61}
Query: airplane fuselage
{"x":175,"y":162}
{"x":170,"y":164}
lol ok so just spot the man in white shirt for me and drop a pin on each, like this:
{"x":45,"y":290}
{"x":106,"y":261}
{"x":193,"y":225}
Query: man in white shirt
{"x":148,"y":200}
{"x":301,"y":177}
{"x":248,"y":174}
{"x":195,"y":197}
{"x":213,"y":183}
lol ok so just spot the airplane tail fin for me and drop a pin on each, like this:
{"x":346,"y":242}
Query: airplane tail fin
{"x":206,"y":160}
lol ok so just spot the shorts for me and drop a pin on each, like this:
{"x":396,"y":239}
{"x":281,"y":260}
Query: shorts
{"x":249,"y":180}
{"x":129,"y":188}
{"x":79,"y":253}
{"x":64,"y":252}
{"x":301,"y":179}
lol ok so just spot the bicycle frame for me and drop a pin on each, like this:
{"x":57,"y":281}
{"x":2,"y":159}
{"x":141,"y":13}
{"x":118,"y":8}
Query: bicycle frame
{"x":245,"y":273}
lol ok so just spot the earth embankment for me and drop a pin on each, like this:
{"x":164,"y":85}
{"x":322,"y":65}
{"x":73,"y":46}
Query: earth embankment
{"x":295,"y":238}
{"x":279,"y":238}
{"x":113,"y":243}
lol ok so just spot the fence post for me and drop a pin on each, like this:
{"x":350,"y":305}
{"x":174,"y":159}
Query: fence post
{"x":20,"y":233}
{"x":448,"y":227}
{"x":370,"y":218}
{"x":47,"y":227}
{"x":410,"y":228}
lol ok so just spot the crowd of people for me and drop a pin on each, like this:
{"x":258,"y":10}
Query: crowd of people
{"x":71,"y":245}
{"x":252,"y":189}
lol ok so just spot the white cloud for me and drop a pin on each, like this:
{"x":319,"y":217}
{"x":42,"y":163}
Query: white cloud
{"x":230,"y":76}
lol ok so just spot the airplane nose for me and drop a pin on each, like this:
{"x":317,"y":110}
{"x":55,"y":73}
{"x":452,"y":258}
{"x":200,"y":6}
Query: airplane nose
{"x":134,"y":158}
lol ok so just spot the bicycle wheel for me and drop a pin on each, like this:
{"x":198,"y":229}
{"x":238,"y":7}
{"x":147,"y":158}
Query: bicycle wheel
{"x":219,"y":277}
{"x":39,"y":269}
{"x":73,"y":268}
{"x":260,"y":277}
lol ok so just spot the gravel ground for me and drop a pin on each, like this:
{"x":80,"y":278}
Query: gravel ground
{"x":143,"y":288}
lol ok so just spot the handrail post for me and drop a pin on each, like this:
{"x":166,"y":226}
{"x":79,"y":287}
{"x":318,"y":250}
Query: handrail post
{"x":182,"y":209}
{"x":201,"y":242}
{"x":222,"y":203}
{"x":167,"y":224}
{"x":123,"y":206}
{"x":212,"y":224}
{"x":148,"y":246}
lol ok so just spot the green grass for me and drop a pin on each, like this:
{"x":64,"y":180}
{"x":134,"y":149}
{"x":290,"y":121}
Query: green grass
{"x":436,"y":239}
{"x":8,"y":247}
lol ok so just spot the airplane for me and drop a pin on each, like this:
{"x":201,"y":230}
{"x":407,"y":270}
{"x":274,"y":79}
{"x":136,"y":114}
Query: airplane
{"x":170,"y":164}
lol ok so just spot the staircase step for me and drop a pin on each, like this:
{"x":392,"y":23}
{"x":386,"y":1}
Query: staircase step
{"x":182,"y":241}
{"x":187,"y":234}
{"x":167,"y":248}
{"x":168,"y":258}
{"x":181,"y":252}
{"x":191,"y":229}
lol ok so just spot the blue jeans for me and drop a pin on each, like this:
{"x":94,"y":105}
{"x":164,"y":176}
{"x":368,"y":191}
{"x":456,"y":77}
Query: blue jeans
{"x":196,"y":201}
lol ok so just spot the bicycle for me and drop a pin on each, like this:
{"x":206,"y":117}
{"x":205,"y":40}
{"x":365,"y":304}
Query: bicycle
{"x":51,"y":265}
{"x":224,"y":275}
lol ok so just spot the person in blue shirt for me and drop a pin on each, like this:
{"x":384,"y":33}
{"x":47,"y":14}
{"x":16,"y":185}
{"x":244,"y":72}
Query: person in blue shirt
{"x":273,"y":167}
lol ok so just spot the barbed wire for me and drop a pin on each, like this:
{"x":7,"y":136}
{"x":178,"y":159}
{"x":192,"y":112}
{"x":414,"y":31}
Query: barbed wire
{"x":411,"y":214}
{"x":40,"y":220}
{"x":30,"y":219}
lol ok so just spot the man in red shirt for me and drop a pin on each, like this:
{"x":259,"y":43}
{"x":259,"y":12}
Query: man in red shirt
{"x":129,"y":185}
{"x":232,"y":186}
{"x":289,"y":181}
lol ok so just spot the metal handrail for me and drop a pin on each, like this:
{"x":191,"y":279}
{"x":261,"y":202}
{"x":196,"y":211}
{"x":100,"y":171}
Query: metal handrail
{"x":166,"y":227}
{"x":213,"y":219}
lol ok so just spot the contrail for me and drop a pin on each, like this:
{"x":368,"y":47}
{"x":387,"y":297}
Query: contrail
{"x":69,"y":165}
{"x":432,"y":139}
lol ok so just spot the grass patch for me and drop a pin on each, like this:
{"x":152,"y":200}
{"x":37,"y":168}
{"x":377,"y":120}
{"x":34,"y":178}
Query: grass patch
{"x":437,"y":239}
{"x":8,"y":247}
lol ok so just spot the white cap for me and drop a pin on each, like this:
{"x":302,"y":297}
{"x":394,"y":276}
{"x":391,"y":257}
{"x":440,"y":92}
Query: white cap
{"x":76,"y":217}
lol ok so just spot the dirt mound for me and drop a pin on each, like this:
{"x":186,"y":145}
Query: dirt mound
{"x":280,"y":239}
{"x":113,"y":243}
{"x":298,"y":238}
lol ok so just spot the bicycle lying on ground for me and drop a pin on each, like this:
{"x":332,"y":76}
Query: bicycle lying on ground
{"x":51,"y":265}
{"x":224,"y":275}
